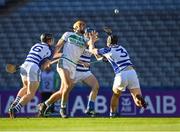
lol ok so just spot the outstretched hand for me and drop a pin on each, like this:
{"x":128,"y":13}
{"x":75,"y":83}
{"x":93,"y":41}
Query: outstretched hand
{"x":93,"y":36}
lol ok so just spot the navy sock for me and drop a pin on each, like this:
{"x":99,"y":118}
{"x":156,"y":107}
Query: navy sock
{"x":90,"y":105}
{"x":16,"y":101}
{"x":18,"y":107}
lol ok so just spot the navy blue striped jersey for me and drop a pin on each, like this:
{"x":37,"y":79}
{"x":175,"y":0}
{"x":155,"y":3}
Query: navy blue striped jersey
{"x":38,"y":53}
{"x":117,"y":56}
{"x":85,"y":57}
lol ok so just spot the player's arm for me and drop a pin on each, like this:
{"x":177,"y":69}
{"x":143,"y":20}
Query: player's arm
{"x":98,"y":57}
{"x":57,"y":55}
{"x":99,"y":53}
{"x":58,"y":48}
{"x":45,"y":64}
{"x":48,"y":62}
{"x":92,"y":48}
{"x":60,"y":44}
{"x":94,"y":51}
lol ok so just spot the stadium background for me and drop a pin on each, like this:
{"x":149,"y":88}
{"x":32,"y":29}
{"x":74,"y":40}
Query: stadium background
{"x":148,"y":29}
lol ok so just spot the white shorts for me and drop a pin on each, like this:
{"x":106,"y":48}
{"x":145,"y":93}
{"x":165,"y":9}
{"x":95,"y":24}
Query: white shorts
{"x":126,"y":79}
{"x":65,"y":64}
{"x":30,"y":72}
{"x":80,"y":76}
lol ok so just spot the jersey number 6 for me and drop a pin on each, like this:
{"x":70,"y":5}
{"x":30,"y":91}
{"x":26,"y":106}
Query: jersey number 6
{"x":37,"y":48}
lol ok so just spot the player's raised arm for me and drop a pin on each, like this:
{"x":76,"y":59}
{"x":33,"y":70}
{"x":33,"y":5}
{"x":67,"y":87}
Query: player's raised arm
{"x":93,"y":37}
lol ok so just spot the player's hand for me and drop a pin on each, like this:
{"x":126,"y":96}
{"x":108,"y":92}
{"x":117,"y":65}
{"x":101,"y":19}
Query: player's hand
{"x":93,"y":36}
{"x":46,"y":65}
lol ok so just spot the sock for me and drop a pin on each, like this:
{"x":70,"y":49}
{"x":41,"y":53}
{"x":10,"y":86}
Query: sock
{"x":16,"y":101}
{"x":46,"y":103}
{"x":113,"y":114}
{"x":90,"y":105}
{"x":18,"y":107}
{"x":63,"y":104}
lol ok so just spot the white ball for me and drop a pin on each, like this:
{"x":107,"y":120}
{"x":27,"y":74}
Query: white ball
{"x":116,"y":11}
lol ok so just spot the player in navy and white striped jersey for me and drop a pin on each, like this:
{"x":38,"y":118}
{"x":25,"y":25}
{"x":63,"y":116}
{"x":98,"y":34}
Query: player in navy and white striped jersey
{"x":83,"y":74}
{"x":38,"y":57}
{"x":85,"y":57}
{"x":125,"y":75}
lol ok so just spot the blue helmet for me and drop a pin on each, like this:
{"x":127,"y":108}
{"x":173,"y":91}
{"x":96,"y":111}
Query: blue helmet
{"x":88,"y":30}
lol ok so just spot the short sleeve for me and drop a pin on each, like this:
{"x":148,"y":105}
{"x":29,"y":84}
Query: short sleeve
{"x":65,"y":36}
{"x":103,"y":51}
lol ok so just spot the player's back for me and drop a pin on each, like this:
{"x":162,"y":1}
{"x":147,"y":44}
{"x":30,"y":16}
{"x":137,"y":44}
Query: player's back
{"x":38,"y":53}
{"x":118,"y":57}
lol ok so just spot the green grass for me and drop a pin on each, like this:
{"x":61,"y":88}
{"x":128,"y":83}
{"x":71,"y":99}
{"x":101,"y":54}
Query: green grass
{"x":90,"y":124}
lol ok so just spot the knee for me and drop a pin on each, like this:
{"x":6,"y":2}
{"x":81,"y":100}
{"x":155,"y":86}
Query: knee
{"x":31,"y":94}
{"x":116,"y":92}
{"x":116,"y":95}
{"x":67,"y":88}
{"x":59,"y":92}
{"x":95,"y":87}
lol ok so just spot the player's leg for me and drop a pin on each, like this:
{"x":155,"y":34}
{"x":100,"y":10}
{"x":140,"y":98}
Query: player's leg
{"x":44,"y":106}
{"x":33,"y":80}
{"x":32,"y":75}
{"x":54,"y":97}
{"x":23,"y":90}
{"x":20,"y":94}
{"x":43,"y":109}
{"x":67,"y":86}
{"x":92,"y":82}
{"x":31,"y":90}
{"x":115,"y":102}
{"x":137,"y":97}
{"x":134,"y":88}
{"x":120,"y":83}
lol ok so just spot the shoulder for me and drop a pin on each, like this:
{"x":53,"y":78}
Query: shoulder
{"x":119,"y":47}
{"x":37,"y":45}
{"x":67,"y":34}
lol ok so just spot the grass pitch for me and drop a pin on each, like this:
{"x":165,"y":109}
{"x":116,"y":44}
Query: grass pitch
{"x":90,"y":124}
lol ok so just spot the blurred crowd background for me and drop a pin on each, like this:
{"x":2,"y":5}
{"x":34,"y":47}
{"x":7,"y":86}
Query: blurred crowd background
{"x":148,"y":29}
